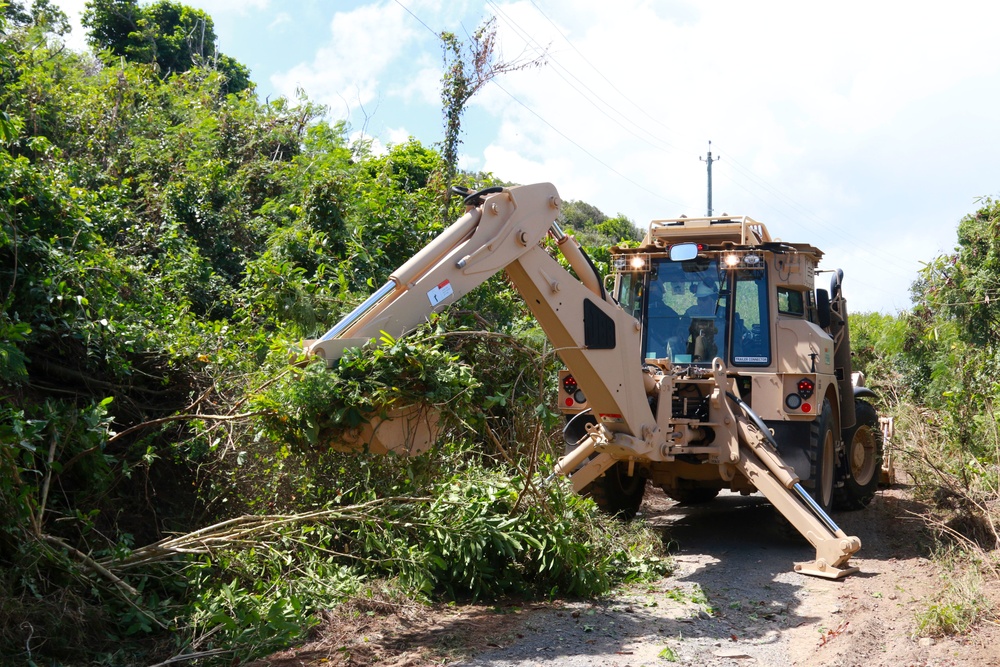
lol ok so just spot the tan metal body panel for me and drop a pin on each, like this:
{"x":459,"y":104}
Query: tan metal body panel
{"x":556,"y":300}
{"x":407,"y":431}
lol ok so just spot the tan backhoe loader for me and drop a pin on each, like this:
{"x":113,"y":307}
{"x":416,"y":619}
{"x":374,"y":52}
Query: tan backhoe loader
{"x":712,"y":363}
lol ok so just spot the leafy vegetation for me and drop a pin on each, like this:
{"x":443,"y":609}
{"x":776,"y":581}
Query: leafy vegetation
{"x":168,"y":35}
{"x":166,"y":242}
{"x":959,"y":604}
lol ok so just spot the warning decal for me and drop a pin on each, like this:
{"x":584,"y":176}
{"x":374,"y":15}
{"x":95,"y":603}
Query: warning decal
{"x":440,"y":293}
{"x":612,"y":419}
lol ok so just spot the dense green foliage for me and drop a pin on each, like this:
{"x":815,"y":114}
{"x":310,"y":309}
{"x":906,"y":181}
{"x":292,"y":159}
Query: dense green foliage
{"x":937,"y":369}
{"x":166,"y":241}
{"x":943,"y":354}
{"x":170,"y":36}
{"x":592,"y":227}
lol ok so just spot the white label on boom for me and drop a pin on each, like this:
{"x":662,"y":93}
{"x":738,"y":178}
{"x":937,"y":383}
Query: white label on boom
{"x":440,"y":293}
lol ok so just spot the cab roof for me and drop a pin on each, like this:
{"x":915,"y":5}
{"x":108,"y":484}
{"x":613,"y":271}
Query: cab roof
{"x":721,"y":231}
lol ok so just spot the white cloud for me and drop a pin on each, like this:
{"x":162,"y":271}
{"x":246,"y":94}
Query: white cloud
{"x":375,"y":145}
{"x":214,"y":7}
{"x":423,"y":88}
{"x":833,"y":122}
{"x":865,"y":128}
{"x":398,"y":135}
{"x":469,"y":162}
{"x":347,"y":69}
{"x":281,"y":19}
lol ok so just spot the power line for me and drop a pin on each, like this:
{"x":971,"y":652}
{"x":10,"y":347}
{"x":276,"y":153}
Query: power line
{"x":419,"y":20}
{"x":560,"y":69}
{"x":861,"y":244}
{"x":590,"y":99}
{"x":748,"y":173}
{"x":584,"y":150}
{"x":883,"y":257}
{"x":599,"y":73}
{"x":551,"y":126}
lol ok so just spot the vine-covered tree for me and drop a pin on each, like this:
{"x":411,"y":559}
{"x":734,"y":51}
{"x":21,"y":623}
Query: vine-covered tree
{"x":467,"y":68}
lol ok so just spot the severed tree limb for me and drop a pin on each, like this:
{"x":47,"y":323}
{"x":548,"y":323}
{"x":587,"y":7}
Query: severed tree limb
{"x":187,"y":417}
{"x":90,"y":563}
{"x":243,"y":530}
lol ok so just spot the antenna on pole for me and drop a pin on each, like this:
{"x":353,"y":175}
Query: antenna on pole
{"x":709,"y":160}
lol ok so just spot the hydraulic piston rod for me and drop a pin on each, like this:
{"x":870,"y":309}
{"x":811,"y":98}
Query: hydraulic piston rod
{"x":359,"y":312}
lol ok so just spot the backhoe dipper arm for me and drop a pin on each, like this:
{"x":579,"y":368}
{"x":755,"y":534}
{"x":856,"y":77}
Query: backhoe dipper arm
{"x":596,"y":339}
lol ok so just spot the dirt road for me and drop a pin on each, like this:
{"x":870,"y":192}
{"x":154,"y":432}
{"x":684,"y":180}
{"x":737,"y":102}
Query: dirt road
{"x":733,"y":601}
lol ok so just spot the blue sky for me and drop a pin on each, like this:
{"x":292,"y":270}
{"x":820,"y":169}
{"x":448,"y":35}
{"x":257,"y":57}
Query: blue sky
{"x":865,"y":128}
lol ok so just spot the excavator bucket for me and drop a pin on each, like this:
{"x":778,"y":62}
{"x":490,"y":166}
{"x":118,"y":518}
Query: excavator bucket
{"x":407,"y":431}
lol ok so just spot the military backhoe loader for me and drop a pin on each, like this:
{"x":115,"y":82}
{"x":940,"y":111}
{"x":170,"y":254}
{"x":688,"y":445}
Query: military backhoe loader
{"x":711,"y":363}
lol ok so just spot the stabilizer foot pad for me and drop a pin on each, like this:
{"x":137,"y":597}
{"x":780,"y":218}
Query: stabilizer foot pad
{"x":820,"y":568}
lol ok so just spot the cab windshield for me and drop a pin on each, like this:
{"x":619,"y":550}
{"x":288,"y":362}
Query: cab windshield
{"x":686,"y":311}
{"x":687,"y":308}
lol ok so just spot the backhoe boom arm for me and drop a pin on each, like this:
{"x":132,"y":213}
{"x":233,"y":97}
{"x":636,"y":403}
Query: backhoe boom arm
{"x":597,"y":340}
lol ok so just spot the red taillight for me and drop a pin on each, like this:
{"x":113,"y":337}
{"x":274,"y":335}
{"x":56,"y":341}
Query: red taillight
{"x":806,"y":407}
{"x":569,"y":385}
{"x":806,"y":388}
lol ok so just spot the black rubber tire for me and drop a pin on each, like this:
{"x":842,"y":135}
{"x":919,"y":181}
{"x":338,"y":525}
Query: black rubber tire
{"x":692,"y":495}
{"x":861,"y":465}
{"x":617,"y":493}
{"x":822,"y":459}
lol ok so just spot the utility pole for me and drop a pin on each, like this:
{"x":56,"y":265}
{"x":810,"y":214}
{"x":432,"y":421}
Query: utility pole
{"x":709,"y":160}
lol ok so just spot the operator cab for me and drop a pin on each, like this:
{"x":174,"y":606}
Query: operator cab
{"x":696,"y":304}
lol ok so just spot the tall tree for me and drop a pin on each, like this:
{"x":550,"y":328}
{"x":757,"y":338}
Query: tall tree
{"x":169,"y":35}
{"x":469,"y":67}
{"x":964,"y":286}
{"x":42,"y":13}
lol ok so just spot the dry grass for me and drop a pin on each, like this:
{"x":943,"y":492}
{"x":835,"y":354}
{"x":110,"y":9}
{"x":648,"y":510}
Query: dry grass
{"x":964,"y":514}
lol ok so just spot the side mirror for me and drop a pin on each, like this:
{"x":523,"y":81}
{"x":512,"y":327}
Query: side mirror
{"x":823,"y":308}
{"x":836,"y":282}
{"x":683,"y":252}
